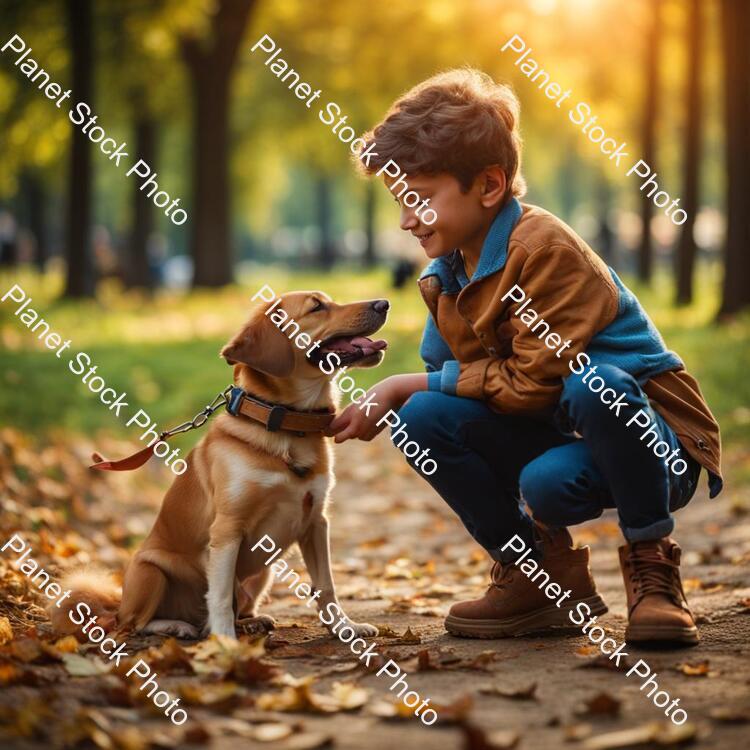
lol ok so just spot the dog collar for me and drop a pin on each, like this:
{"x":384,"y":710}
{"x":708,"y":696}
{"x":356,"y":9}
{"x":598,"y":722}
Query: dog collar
{"x":277,"y":417}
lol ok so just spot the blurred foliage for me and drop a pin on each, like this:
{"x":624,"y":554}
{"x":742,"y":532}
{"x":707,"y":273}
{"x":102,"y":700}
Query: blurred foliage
{"x":362,"y":56}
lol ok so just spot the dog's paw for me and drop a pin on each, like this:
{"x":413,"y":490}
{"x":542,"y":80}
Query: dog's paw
{"x":257,"y":624}
{"x":363,"y":629}
{"x":176,"y":628}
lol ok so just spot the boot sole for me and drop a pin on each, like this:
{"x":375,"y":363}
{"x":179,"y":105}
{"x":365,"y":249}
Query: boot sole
{"x":661,"y":634}
{"x":547,"y":618}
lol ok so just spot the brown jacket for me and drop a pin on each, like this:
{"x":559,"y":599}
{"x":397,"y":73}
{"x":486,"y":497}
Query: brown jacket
{"x":507,"y":364}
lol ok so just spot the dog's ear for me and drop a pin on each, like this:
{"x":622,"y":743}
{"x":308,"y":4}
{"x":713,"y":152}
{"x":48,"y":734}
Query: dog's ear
{"x":263,"y":347}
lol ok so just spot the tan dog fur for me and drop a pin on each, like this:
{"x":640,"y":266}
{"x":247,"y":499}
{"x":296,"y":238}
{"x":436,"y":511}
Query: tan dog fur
{"x":197,"y":561}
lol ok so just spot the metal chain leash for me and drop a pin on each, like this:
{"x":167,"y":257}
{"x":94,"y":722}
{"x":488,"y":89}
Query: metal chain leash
{"x":222,"y":399}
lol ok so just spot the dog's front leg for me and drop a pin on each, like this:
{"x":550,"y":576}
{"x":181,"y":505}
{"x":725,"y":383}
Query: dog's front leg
{"x":316,"y":551}
{"x":222,"y":562}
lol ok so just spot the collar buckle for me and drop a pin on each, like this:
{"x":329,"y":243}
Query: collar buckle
{"x":234,"y":400}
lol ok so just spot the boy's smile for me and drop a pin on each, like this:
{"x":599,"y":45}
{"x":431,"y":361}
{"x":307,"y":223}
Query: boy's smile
{"x":463,"y":216}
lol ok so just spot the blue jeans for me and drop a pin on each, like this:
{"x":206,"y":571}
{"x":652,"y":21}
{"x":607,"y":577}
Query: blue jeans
{"x":487,"y":462}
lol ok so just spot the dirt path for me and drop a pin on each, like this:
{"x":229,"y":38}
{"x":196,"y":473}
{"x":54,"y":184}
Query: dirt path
{"x":400,"y":559}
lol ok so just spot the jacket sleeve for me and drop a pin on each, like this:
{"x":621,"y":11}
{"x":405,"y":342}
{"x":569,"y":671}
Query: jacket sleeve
{"x":576,"y":299}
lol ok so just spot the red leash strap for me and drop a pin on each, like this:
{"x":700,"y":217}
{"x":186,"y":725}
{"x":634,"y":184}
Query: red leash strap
{"x":124,"y":464}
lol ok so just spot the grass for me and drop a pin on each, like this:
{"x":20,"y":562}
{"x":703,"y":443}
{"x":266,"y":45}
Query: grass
{"x":163,"y":351}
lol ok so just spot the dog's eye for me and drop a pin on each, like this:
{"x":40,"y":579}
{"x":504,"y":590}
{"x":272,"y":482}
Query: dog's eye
{"x":317,"y":305}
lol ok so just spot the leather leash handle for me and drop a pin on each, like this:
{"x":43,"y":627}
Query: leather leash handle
{"x":124,"y":464}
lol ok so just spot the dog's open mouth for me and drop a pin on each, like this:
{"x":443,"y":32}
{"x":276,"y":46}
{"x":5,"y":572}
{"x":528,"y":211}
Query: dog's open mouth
{"x":350,"y":349}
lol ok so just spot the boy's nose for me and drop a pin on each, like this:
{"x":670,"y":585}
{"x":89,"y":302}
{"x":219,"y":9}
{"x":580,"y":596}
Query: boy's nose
{"x":409,"y":219}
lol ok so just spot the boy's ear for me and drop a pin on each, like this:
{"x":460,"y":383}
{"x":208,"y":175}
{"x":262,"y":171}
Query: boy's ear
{"x":262,"y":346}
{"x":494,"y":186}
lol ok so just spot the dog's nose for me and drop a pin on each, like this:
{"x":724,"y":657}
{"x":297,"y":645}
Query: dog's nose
{"x":381,"y":305}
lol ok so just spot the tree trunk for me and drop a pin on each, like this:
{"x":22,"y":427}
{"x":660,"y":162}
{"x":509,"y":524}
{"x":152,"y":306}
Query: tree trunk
{"x":686,"y":248}
{"x":736,"y":32}
{"x":210,"y":63}
{"x":326,"y":249}
{"x":370,"y":202}
{"x":80,"y":270}
{"x":138,"y":272}
{"x":650,"y":114}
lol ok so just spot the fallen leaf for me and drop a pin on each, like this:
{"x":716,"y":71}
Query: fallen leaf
{"x":587,"y":650}
{"x":408,"y":638}
{"x":660,"y":733}
{"x":527,"y":693}
{"x":297,"y":698}
{"x":577,"y":732}
{"x":271,"y":732}
{"x":81,"y":666}
{"x":602,"y":704}
{"x":67,"y":645}
{"x":6,"y":631}
{"x":220,"y":696}
{"x":477,"y":739}
{"x":604,"y":662}
{"x":698,"y":669}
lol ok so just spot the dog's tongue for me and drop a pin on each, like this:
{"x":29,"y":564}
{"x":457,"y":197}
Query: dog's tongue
{"x":355,"y":343}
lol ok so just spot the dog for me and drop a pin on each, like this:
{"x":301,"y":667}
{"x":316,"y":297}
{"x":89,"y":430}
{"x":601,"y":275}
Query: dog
{"x":195,"y":573}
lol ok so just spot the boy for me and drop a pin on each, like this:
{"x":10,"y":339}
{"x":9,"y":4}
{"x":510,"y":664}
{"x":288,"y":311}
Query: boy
{"x":546,"y":381}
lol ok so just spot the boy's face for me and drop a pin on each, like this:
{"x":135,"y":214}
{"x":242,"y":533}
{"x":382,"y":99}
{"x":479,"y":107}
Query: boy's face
{"x":463,"y":217}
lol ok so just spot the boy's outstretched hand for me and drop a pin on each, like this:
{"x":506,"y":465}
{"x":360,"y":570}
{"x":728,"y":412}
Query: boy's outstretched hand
{"x":390,"y":393}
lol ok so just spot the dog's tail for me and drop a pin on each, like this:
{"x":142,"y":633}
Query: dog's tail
{"x":93,"y":592}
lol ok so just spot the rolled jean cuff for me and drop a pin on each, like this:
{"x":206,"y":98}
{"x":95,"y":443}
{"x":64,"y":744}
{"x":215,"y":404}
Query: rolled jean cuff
{"x":657,"y":530}
{"x":510,"y":555}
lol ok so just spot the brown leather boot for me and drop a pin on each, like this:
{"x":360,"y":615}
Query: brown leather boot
{"x":657,"y":607}
{"x":514,"y":604}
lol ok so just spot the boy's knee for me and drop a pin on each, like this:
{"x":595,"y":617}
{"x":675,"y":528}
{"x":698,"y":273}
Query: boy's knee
{"x":421,"y":415}
{"x":584,"y":399}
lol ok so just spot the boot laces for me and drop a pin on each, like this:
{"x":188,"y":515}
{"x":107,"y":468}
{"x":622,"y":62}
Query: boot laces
{"x":655,"y":574}
{"x":500,"y":575}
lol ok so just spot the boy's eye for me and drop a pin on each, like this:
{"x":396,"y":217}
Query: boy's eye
{"x":317,"y":305}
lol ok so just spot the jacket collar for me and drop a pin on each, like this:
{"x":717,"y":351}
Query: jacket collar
{"x":449,"y":268}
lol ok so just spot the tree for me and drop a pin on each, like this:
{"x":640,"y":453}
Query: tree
{"x":371,"y":251}
{"x":735,"y":17}
{"x":138,"y":271}
{"x":80,"y":280}
{"x":650,"y":115}
{"x":686,"y":248}
{"x":210,"y":61}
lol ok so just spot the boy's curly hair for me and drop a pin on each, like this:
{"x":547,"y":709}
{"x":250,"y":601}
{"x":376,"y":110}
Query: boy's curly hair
{"x":459,"y":122}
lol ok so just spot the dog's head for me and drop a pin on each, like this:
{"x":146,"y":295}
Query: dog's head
{"x":280,"y":339}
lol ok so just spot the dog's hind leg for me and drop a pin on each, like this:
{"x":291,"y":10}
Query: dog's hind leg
{"x":176,"y":628}
{"x":142,"y":591}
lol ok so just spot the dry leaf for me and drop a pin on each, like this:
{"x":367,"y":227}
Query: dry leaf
{"x":698,"y":669}
{"x":660,"y":733}
{"x":81,"y":666}
{"x":220,"y":696}
{"x":297,"y":698}
{"x":6,"y":631}
{"x":409,"y":638}
{"x":271,"y":732}
{"x":520,"y":694}
{"x":602,"y":704}
{"x":477,"y":739}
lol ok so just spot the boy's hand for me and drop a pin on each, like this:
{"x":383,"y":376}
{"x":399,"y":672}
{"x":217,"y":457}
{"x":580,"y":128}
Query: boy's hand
{"x":390,"y":393}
